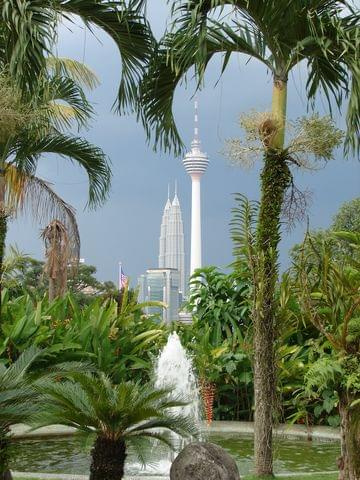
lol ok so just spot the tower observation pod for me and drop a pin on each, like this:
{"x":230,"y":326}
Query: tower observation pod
{"x":195,"y":163}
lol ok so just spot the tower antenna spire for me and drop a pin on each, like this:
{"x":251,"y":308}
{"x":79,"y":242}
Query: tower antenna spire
{"x":196,"y":121}
{"x":168,"y":191}
{"x":175,"y":188}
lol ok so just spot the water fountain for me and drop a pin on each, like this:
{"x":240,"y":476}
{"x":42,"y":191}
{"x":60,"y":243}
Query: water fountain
{"x":174,"y":369}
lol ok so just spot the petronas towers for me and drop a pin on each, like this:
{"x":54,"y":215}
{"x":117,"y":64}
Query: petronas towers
{"x":172,"y":250}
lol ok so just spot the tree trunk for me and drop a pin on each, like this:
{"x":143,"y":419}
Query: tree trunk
{"x":275,"y":179}
{"x":3,"y":227}
{"x":349,"y":462}
{"x":52,"y":289}
{"x":108,"y":459}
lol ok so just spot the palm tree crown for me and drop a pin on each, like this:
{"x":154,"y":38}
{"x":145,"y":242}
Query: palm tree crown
{"x":278,"y":33}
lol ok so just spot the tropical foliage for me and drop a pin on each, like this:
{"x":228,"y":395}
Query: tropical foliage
{"x":119,"y":340}
{"x":280,"y":34}
{"x":329,"y":295}
{"x":33,"y":126}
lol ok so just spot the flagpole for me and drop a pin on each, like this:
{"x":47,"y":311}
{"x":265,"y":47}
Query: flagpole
{"x":119,"y":279}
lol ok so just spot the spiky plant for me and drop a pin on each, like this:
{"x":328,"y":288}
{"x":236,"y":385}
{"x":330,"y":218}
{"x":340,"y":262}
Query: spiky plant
{"x":121,"y":416}
{"x":17,"y":402}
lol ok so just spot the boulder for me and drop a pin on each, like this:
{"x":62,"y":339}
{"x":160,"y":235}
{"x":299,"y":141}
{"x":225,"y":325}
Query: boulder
{"x":204,"y":461}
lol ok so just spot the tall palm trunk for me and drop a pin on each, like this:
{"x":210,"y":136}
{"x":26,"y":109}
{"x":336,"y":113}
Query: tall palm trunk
{"x":3,"y":225}
{"x":349,"y":462}
{"x":275,"y":179}
{"x":108,"y":459}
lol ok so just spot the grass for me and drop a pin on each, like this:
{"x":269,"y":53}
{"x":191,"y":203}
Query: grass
{"x":314,"y":476}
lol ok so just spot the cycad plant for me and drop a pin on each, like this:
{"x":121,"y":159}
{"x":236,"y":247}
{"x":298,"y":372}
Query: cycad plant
{"x":17,"y":402}
{"x":280,"y":34}
{"x":121,"y":417}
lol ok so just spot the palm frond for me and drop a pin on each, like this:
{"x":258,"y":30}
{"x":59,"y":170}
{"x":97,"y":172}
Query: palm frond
{"x":14,"y":260}
{"x":128,"y":27}
{"x":16,"y":371}
{"x":70,"y":68}
{"x":60,"y":101}
{"x":178,"y":54}
{"x":332,"y":53}
{"x":29,"y":35}
{"x":279,"y":33}
{"x":17,"y":397}
{"x":91,"y":158}
{"x":243,"y":230}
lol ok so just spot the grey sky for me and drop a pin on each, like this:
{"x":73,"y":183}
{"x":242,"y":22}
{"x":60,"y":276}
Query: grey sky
{"x":127,"y":227}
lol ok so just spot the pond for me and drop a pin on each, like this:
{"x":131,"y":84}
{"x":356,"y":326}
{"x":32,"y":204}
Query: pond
{"x":71,"y":455}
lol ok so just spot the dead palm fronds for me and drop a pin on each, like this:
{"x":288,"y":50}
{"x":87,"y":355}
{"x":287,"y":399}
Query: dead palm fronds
{"x":61,"y":250}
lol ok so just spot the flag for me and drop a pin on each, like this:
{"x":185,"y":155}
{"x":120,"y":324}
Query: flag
{"x":123,"y":279}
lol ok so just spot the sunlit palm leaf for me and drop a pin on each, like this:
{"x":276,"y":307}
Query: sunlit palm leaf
{"x":91,"y":158}
{"x":62,"y":101}
{"x":70,"y":68}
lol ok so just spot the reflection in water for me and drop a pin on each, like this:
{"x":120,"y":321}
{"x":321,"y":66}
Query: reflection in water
{"x":71,"y":455}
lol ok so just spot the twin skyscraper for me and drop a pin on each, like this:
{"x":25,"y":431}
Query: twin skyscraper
{"x":169,"y":282}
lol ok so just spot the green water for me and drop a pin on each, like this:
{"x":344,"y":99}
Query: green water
{"x":71,"y":455}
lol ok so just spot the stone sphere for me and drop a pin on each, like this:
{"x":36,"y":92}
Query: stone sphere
{"x":204,"y":461}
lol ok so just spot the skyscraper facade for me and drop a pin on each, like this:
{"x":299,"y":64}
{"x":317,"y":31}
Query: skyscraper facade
{"x":195,"y":163}
{"x":161,"y":285}
{"x":171,"y":242}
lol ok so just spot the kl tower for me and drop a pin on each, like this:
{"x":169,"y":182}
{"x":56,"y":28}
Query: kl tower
{"x":195,"y":163}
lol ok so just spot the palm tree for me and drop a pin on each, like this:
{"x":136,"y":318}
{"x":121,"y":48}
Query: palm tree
{"x":31,"y":127}
{"x":280,"y":34}
{"x":120,"y":416}
{"x":28,"y":35}
{"x":17,"y":402}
